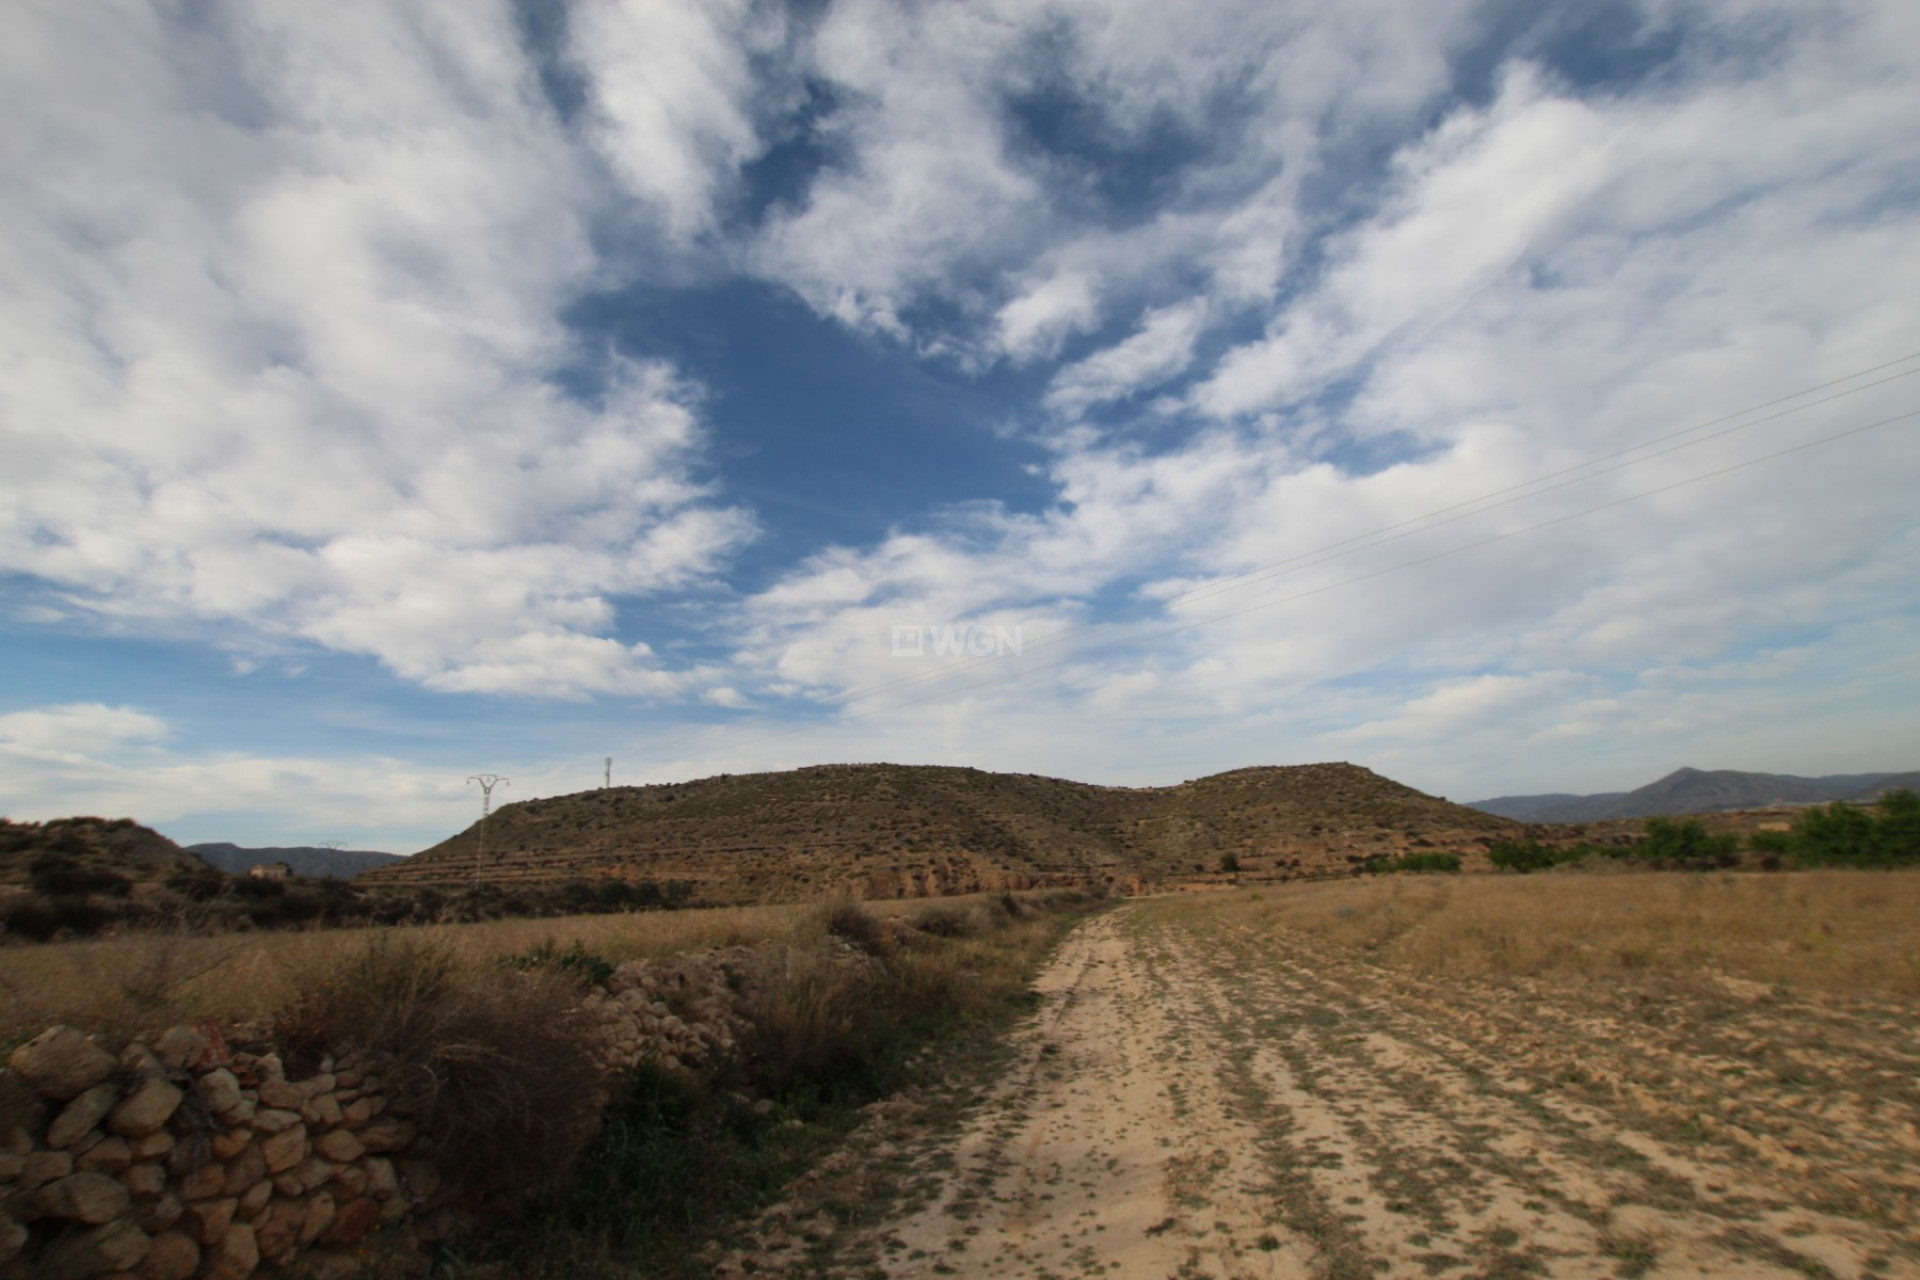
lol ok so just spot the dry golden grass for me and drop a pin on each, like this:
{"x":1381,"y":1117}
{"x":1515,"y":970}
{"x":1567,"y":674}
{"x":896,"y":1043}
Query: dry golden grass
{"x":1841,"y":932}
{"x":139,"y":980}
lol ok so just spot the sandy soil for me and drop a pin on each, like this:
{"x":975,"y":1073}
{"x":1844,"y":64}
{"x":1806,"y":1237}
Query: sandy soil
{"x":1195,"y":1100}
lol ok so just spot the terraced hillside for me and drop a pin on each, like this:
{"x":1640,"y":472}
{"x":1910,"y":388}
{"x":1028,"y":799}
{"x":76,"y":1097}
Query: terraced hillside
{"x":887,"y":831}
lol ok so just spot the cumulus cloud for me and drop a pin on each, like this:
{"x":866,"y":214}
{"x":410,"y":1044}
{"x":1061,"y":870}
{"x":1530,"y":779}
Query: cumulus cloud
{"x":119,"y":761}
{"x":280,"y":346}
{"x":674,"y":96}
{"x":285,"y":359}
{"x":948,"y":195}
{"x":1539,"y":279}
{"x":79,"y":727}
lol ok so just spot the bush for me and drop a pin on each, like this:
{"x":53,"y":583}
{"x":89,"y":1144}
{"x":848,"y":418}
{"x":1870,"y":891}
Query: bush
{"x":576,"y":961}
{"x":853,"y":924}
{"x":1845,"y":835}
{"x":29,"y":918}
{"x":56,"y":875}
{"x":197,"y":884}
{"x":258,"y":888}
{"x":1686,"y":842}
{"x":817,"y":1032}
{"x":946,"y":922}
{"x":1448,"y":862}
{"x":1230,"y":864}
{"x":500,"y":1066}
{"x":1522,"y":856}
{"x":41,"y":919}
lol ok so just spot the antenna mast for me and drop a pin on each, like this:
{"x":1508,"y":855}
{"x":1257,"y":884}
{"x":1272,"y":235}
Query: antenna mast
{"x":607,"y":784}
{"x":487,"y":781}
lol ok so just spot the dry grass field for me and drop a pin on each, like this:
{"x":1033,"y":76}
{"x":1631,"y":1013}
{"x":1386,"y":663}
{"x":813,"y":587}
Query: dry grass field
{"x":144,"y":979}
{"x":1838,"y":933}
{"x":1631,"y":1075}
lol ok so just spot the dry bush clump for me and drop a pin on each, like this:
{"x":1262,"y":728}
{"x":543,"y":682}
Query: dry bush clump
{"x":943,"y":921}
{"x":499,"y":1063}
{"x":853,"y":924}
{"x":1842,"y":932}
{"x":805,"y":1018}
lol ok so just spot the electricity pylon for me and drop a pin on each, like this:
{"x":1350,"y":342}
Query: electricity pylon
{"x":487,"y":781}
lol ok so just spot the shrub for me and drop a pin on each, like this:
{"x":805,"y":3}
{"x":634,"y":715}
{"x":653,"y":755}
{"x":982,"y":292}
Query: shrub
{"x":29,"y":918}
{"x":942,"y":921}
{"x":197,"y":884}
{"x":1230,"y":864}
{"x":41,"y":919}
{"x":614,"y":895}
{"x":815,"y":1029}
{"x":500,"y":1066}
{"x":1845,"y":835}
{"x":1521,"y":856}
{"x":1449,"y":862}
{"x":853,"y":924}
{"x":257,"y":887}
{"x":1686,"y":841}
{"x":576,"y":961}
{"x":57,"y":875}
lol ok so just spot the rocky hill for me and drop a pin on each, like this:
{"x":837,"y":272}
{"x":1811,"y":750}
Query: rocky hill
{"x":120,"y":846}
{"x":883,"y":831}
{"x":1698,"y":791}
{"x":305,"y":860}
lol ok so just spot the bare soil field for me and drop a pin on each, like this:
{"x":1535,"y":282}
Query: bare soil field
{"x":1656,"y":1076}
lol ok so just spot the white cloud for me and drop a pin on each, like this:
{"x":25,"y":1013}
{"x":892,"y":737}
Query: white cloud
{"x":1034,"y":323}
{"x":280,"y":354}
{"x":1161,"y":348}
{"x":939,"y":193}
{"x":77,"y":728}
{"x":1544,"y":279}
{"x":673,"y":89}
{"x":279,"y":345}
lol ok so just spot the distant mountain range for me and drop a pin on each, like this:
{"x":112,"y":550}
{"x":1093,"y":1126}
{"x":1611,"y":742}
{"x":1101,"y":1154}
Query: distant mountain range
{"x":314,"y":863}
{"x":1699,"y":791}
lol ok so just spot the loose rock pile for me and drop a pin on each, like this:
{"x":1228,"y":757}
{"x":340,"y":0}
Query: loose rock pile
{"x":180,"y":1158}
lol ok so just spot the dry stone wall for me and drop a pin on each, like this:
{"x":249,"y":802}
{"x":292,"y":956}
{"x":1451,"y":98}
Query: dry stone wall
{"x":179,"y":1158}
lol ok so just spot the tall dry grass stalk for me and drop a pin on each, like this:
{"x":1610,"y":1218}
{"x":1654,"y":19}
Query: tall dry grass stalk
{"x":139,"y":980}
{"x":1849,"y":933}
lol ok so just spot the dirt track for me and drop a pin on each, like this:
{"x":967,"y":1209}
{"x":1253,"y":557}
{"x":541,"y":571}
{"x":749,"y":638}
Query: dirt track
{"x":1193,"y":1100}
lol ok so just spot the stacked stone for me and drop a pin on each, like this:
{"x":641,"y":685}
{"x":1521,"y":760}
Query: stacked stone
{"x":680,"y":1013}
{"x":179,"y":1159}
{"x":686,"y":1012}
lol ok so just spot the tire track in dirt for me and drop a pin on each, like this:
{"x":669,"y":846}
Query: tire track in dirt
{"x":1193,"y":1100}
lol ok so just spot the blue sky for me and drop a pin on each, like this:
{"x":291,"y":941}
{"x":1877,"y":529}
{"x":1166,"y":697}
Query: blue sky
{"x":394,"y":393}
